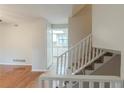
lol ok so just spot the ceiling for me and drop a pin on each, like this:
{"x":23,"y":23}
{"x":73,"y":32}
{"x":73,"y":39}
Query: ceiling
{"x":55,"y":14}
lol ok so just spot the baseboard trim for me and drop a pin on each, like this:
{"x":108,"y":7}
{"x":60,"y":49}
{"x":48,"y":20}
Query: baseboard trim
{"x":18,"y":64}
{"x":41,"y":70}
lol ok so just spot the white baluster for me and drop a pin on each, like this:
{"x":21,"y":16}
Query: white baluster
{"x":112,"y":84}
{"x":75,"y":61}
{"x":56,"y":83}
{"x":61,"y":65}
{"x":100,"y":51}
{"x":101,"y":84}
{"x":57,"y":67}
{"x":118,"y":84}
{"x":50,"y":83}
{"x":80,"y":84}
{"x":65,"y":63}
{"x":39,"y":82}
{"x":69,"y":85}
{"x":72,"y":59}
{"x":86,"y":52}
{"x":79,"y":56}
{"x":83,"y":53}
{"x":43,"y":84}
{"x":93,"y":54}
{"x":97,"y":51}
{"x":61,"y":84}
{"x":90,"y":46}
{"x":70,"y":62}
{"x":91,"y":84}
{"x":69,"y":65}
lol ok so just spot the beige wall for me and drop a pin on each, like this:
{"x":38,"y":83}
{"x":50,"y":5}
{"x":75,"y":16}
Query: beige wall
{"x":108,"y":28}
{"x":80,"y":25}
{"x":111,"y":68}
{"x":77,"y":8}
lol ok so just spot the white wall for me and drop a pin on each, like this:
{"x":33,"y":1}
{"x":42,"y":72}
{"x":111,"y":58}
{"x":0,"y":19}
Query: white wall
{"x":27,"y":41}
{"x":49,"y":45}
{"x":16,"y":43}
{"x":39,"y":51}
{"x":108,"y":28}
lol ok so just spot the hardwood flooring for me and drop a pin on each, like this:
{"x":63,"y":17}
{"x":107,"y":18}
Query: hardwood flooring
{"x":18,"y":77}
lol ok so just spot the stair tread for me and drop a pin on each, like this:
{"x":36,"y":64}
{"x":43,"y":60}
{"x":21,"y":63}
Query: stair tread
{"x":88,"y":72}
{"x":106,"y":58}
{"x":90,"y":67}
{"x":108,"y":54}
{"x":100,"y":60}
{"x":97,"y":65}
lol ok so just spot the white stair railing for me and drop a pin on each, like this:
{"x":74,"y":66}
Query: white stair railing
{"x":81,"y":81}
{"x":78,"y":57}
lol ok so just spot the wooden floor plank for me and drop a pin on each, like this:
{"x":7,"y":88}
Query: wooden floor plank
{"x":18,"y":77}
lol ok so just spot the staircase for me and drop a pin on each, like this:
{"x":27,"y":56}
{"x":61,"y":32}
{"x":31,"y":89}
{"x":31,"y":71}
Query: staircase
{"x":82,"y":58}
{"x":90,"y":69}
{"x":76,"y":66}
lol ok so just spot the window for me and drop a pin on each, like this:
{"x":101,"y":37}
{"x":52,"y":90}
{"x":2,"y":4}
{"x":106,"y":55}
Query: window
{"x":60,"y":39}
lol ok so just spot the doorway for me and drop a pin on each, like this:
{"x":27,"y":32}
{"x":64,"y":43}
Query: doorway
{"x":60,"y":41}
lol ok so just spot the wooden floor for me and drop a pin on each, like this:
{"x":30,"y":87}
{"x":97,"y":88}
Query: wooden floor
{"x":18,"y":77}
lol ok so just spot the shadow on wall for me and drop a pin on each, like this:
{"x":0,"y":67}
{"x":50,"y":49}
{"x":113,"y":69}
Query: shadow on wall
{"x":111,"y":68}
